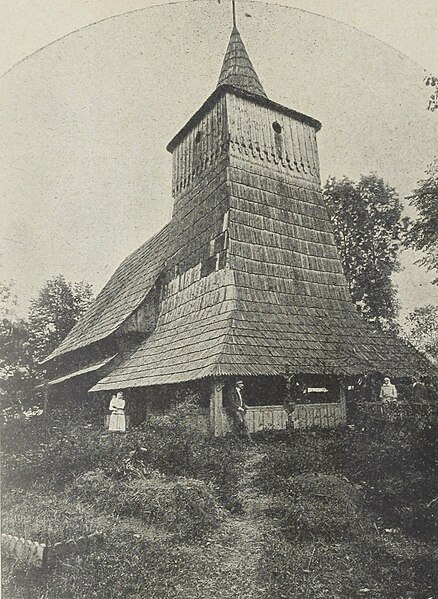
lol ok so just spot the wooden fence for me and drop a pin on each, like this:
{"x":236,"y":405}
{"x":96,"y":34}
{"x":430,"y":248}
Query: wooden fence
{"x":323,"y":415}
{"x":259,"y":418}
{"x":31,"y":552}
{"x":39,"y":554}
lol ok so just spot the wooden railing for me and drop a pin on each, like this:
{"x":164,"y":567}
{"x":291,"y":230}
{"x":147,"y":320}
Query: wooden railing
{"x":259,"y":418}
{"x":323,"y":415}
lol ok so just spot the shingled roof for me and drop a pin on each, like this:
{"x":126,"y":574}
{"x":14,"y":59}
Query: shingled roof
{"x":251,"y":279}
{"x":283,"y":302}
{"x":237,"y":69}
{"x":123,"y":293}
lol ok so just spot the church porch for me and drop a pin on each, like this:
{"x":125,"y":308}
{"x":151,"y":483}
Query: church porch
{"x":267,"y":407}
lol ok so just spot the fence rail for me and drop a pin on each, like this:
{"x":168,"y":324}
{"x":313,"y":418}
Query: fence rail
{"x":31,"y":552}
{"x":259,"y":418}
{"x":39,"y":554}
{"x":324,"y":415}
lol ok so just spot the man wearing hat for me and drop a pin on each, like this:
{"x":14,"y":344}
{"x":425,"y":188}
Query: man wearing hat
{"x":238,"y":407}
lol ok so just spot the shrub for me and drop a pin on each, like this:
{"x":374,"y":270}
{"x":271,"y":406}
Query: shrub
{"x":45,"y":518}
{"x":318,"y":506}
{"x":183,"y":506}
{"x":51,"y":453}
{"x":298,"y":452}
{"x":398,"y":470}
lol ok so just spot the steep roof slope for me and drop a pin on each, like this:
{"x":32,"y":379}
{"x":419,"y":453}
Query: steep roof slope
{"x":293,"y":305}
{"x":188,"y":340}
{"x":123,"y":293}
{"x":282,"y":301}
{"x":237,"y":69}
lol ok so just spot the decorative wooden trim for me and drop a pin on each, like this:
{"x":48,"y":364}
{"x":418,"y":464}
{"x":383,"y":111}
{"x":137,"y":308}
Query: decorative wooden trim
{"x":222,"y":91}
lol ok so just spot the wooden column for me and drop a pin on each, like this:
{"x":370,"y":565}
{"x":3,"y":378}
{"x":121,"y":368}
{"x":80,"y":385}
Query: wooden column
{"x":46,"y":397}
{"x":216,"y":403}
{"x":343,"y":397}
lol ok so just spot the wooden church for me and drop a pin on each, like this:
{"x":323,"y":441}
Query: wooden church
{"x":244,"y":282}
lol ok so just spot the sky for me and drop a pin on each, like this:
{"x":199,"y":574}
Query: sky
{"x":411,"y":26}
{"x":85,"y":176}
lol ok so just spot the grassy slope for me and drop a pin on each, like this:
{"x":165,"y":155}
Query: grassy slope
{"x":310,"y":515}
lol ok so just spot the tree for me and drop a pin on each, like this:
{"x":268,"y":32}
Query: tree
{"x":422,"y":329}
{"x":54,"y":312}
{"x":433,"y":98}
{"x":367,"y":224}
{"x":17,"y":373}
{"x":422,"y":233}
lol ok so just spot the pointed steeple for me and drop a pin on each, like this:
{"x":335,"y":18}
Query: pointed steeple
{"x":237,"y":69}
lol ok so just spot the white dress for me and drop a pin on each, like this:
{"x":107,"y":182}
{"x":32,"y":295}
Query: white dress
{"x":117,"y":421}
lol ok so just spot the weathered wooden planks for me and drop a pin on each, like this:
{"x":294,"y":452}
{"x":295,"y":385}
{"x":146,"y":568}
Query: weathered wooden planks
{"x":31,"y":552}
{"x":41,"y":555}
{"x":329,"y":415}
{"x":262,"y":418}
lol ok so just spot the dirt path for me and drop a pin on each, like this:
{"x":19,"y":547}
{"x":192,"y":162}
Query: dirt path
{"x":237,"y":548}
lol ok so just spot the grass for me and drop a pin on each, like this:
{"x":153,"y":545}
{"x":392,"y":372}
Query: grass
{"x":186,"y":507}
{"x":308,"y":514}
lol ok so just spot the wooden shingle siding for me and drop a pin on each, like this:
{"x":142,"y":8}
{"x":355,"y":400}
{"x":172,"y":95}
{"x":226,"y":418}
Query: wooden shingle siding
{"x":237,"y":68}
{"x":252,"y":134}
{"x":250,"y":278}
{"x":200,"y":151}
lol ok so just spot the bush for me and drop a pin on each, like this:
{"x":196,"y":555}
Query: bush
{"x":318,"y":506}
{"x":398,"y":469}
{"x":47,"y":452}
{"x":183,"y":506}
{"x":298,"y":452}
{"x":45,"y":518}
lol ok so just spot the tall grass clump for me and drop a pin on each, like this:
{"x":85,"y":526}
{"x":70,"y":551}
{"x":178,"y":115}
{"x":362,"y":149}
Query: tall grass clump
{"x":49,"y":452}
{"x":318,"y":507}
{"x":185,"y":507}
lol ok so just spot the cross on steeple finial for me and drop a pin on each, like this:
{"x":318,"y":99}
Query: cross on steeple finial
{"x":233,"y":7}
{"x":237,"y":69}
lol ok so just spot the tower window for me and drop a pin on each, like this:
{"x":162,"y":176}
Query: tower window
{"x":198,"y":137}
{"x":277,"y":127}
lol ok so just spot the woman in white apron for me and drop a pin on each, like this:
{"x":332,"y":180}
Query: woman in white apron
{"x":117,"y":421}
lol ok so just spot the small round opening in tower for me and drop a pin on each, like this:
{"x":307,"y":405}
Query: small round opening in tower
{"x":277,"y":127}
{"x":198,"y":137}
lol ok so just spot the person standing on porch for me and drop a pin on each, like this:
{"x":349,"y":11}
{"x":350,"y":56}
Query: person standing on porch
{"x":388,"y":391}
{"x":117,"y":421}
{"x":388,"y":397}
{"x":239,"y":408}
{"x":293,"y":395}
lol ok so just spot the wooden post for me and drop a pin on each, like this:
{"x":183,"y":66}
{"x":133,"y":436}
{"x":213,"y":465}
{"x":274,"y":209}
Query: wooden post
{"x":343,"y":398}
{"x":46,"y":397}
{"x":374,"y":388}
{"x":216,"y":403}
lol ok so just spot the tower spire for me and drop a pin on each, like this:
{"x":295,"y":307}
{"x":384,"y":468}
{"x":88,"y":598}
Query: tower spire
{"x":237,"y":69}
